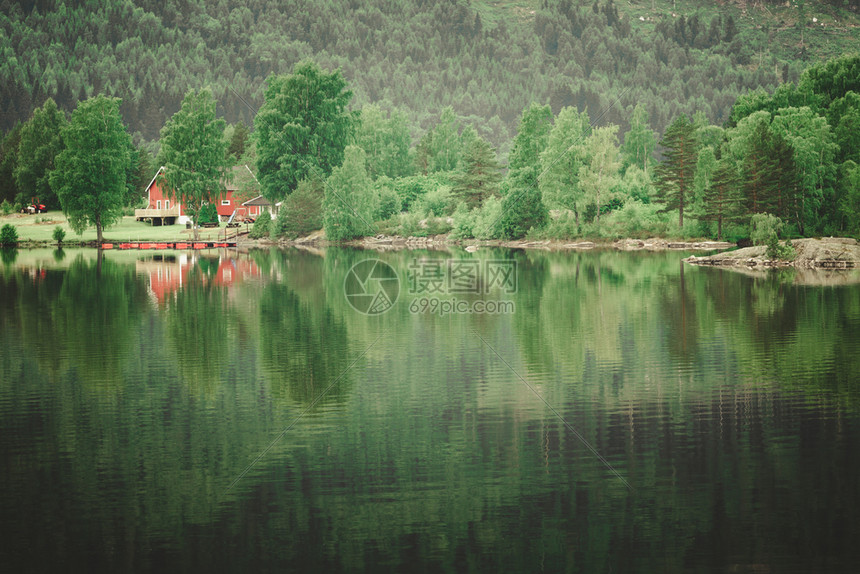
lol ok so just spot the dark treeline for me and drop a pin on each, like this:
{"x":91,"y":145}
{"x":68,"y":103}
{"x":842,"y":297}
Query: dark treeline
{"x":484,"y":61}
{"x":429,"y":102}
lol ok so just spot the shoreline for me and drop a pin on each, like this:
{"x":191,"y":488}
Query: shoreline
{"x":394,"y":242}
{"x":825,"y":253}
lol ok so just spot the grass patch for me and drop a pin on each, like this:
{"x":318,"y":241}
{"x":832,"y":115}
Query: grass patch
{"x":40,"y":229}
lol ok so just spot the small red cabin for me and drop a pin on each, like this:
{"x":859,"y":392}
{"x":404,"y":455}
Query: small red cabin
{"x":162,"y":209}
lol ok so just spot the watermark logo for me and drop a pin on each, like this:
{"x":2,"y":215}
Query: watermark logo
{"x":371,"y":287}
{"x":462,"y":276}
{"x":455,"y":306}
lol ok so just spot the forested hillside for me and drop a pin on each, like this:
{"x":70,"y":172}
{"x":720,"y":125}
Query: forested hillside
{"x":486,"y":59}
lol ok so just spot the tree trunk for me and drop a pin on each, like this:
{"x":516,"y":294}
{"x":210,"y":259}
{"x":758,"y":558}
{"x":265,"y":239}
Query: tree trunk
{"x":99,"y":236}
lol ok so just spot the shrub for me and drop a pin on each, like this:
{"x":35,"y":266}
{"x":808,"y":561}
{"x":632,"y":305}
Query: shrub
{"x":208,"y":214}
{"x":562,"y":227}
{"x":387,"y":200}
{"x":8,"y":235}
{"x":59,"y":234}
{"x":488,"y":219}
{"x":436,"y":202}
{"x":301,"y":212}
{"x":409,"y":189}
{"x":261,"y":227}
{"x":410,"y":225}
{"x":464,"y":222}
{"x":634,"y":220}
{"x":764,"y":230}
{"x":438,"y":226}
{"x":6,"y":207}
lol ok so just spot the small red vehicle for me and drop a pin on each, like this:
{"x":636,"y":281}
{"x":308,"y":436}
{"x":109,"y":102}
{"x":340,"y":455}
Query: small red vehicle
{"x":35,"y":208}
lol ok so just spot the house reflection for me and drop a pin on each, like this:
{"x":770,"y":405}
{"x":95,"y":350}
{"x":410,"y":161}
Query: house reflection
{"x":167,"y":274}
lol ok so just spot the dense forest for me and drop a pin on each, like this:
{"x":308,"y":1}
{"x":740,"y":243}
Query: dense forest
{"x":485,"y":59}
{"x":487,"y":120}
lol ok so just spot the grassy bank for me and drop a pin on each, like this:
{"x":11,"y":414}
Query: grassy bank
{"x":39,"y":229}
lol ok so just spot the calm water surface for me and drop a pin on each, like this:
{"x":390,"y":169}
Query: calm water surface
{"x":224,"y":412}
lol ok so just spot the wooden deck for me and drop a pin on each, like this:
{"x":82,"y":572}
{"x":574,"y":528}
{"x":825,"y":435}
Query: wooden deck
{"x":170,"y":245}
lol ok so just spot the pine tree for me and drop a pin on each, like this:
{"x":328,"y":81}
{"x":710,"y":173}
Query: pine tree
{"x":722,"y":201}
{"x":479,"y":175}
{"x":676,"y":173}
{"x":759,"y":167}
{"x":238,"y":141}
{"x":522,"y":206}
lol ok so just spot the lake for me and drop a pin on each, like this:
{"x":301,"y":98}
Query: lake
{"x":424,"y":411}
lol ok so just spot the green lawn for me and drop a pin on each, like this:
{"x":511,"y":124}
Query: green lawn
{"x":39,"y":228}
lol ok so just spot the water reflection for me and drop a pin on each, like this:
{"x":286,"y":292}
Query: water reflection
{"x":134,"y":388}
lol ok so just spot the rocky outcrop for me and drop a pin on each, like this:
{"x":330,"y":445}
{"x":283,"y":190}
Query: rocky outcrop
{"x":826,"y":253}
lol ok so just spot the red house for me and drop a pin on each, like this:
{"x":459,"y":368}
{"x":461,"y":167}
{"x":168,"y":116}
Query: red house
{"x":164,"y":210}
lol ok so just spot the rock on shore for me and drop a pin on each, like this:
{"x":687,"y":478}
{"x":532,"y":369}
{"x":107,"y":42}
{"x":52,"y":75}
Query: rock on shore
{"x":826,"y":253}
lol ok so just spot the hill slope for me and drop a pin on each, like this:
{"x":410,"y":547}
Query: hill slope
{"x":488,"y":59}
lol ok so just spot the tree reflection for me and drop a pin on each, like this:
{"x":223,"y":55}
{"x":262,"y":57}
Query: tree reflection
{"x":303,"y":347}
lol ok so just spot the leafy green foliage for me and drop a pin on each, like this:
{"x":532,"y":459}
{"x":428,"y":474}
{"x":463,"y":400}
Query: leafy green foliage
{"x":387,"y":201}
{"x":561,"y":161}
{"x":194,"y":154}
{"x":302,"y":128}
{"x":812,"y":151}
{"x":411,"y":189}
{"x":532,"y":137}
{"x":8,"y":164}
{"x":445,"y":143}
{"x":301,"y":212}
{"x":208,"y":213}
{"x":435,"y":203}
{"x":420,"y":56}
{"x":261,"y":227}
{"x":386,"y":140}
{"x":481,"y":223}
{"x":638,"y":146}
{"x":59,"y":234}
{"x":8,"y":235}
{"x":522,"y":206}
{"x":40,"y":143}
{"x":91,"y":172}
{"x":599,"y":172}
{"x":764,"y":230}
{"x":349,"y":204}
